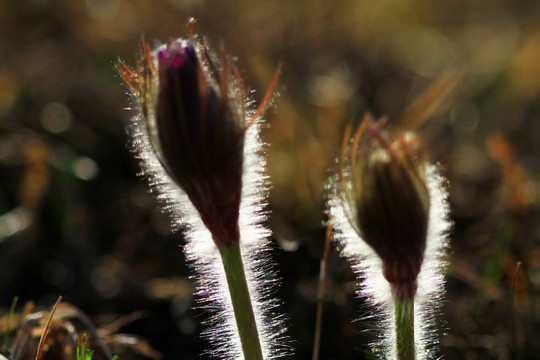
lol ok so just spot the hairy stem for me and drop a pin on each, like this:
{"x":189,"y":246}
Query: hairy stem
{"x":241,"y":301}
{"x":404,"y":311}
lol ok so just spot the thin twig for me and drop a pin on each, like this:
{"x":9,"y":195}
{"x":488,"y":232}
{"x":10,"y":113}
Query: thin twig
{"x":518,"y":327}
{"x":320,"y":294}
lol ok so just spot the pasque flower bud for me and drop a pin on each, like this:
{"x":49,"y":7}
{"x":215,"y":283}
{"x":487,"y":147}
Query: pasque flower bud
{"x":390,"y":214}
{"x":390,"y":207}
{"x":195,"y":121}
{"x":206,"y":156}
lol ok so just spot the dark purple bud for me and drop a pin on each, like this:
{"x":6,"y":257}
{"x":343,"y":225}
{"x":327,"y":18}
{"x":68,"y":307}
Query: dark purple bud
{"x":196,"y":123}
{"x":199,"y":135}
{"x":391,"y":205}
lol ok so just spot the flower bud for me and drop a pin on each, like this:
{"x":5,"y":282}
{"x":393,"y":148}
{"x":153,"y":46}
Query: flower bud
{"x":206,"y":155}
{"x":391,"y":205}
{"x":194,"y":120}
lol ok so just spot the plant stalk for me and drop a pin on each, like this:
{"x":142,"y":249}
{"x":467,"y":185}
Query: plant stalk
{"x":320,"y":295}
{"x":241,"y":301}
{"x":404,"y":311}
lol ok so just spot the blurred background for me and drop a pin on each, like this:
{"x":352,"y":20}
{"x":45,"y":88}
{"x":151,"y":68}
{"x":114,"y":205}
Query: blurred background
{"x":76,"y":221}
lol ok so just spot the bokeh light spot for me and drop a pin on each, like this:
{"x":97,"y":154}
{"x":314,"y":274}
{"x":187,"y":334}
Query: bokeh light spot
{"x":85,"y":168}
{"x":56,"y":117}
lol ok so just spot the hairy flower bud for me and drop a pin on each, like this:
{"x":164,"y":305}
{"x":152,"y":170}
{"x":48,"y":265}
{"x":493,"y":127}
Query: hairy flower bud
{"x":206,"y":156}
{"x":390,"y":204}
{"x":195,"y":121}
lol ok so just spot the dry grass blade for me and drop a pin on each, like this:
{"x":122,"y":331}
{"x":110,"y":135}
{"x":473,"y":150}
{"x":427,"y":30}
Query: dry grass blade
{"x":519,"y":332}
{"x":514,"y":177}
{"x":320,"y":294}
{"x":46,"y":329}
{"x":8,"y":323}
{"x":266,"y":99}
{"x":428,"y":102}
{"x":136,"y":345}
{"x":115,"y":326}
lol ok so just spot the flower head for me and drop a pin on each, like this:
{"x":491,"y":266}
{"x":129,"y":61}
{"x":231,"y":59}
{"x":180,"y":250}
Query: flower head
{"x":389,"y":212}
{"x":206,"y":156}
{"x":388,"y":201}
{"x":196,"y":122}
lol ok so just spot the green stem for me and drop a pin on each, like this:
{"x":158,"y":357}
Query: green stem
{"x":404,"y":311}
{"x":241,"y":301}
